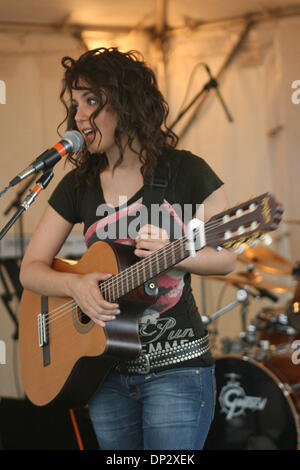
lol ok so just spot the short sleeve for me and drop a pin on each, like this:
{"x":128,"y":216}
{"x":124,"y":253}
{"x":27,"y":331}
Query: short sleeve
{"x":199,"y":177}
{"x":65,"y":198}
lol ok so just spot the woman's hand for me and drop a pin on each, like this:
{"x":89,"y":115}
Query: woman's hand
{"x":85,"y":291}
{"x":150,"y":239}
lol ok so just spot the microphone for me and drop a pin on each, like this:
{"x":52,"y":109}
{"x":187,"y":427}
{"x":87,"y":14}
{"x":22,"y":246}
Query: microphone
{"x":72,"y":141}
{"x":214,"y":83}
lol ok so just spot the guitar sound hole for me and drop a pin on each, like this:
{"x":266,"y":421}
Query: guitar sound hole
{"x":83,"y":318}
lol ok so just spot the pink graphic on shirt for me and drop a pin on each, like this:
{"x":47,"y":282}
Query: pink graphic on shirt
{"x":170,"y":286}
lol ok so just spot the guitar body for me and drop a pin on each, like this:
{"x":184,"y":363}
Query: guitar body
{"x":79,"y":354}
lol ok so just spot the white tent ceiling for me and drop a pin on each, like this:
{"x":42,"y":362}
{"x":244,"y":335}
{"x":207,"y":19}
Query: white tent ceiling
{"x":130,"y":13}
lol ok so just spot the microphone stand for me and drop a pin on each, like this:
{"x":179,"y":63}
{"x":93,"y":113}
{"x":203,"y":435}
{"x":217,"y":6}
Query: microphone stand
{"x":212,"y":83}
{"x":41,"y":184}
{"x":16,"y":203}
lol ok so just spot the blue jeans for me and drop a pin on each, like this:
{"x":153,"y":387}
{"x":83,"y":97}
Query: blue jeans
{"x":166,"y":410}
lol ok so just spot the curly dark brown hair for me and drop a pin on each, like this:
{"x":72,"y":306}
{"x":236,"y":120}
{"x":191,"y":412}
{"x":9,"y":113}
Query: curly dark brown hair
{"x":123,"y":80}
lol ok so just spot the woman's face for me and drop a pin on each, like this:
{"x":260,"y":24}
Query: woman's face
{"x":106,"y":121}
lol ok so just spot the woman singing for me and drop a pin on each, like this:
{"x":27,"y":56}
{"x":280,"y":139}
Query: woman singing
{"x":113,"y":100}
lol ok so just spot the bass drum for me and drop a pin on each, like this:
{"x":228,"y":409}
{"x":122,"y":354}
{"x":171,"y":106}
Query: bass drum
{"x":253,"y":409}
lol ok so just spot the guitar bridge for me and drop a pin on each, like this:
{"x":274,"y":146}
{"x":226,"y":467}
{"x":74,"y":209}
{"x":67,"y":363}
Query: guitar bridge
{"x":42,"y":332}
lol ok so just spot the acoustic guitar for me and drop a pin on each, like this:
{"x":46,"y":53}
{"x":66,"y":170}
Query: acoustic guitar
{"x":65,"y":356}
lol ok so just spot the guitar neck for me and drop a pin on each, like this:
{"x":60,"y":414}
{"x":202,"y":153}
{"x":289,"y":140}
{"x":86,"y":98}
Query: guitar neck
{"x":242,"y":223}
{"x":144,"y":270}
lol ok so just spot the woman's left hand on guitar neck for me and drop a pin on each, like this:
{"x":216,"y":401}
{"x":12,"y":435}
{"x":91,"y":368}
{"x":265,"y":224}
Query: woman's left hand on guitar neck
{"x":150,"y":239}
{"x":206,"y":262}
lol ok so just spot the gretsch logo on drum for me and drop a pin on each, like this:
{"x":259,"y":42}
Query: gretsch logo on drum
{"x":296,"y":353}
{"x":234,"y":401}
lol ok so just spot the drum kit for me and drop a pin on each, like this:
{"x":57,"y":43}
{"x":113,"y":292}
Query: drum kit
{"x":258,"y":374}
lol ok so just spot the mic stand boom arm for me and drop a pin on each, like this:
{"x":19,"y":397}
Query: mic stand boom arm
{"x":41,"y":184}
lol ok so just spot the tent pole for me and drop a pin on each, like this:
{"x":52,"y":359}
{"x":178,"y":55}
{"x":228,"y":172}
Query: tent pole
{"x":159,"y":37}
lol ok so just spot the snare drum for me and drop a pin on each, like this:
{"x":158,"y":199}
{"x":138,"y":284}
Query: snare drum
{"x":254,"y":409}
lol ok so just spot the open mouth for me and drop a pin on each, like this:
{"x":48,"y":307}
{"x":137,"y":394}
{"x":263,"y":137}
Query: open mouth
{"x":88,"y":134}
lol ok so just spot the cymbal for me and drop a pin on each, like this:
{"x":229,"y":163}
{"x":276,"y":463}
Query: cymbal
{"x":267,"y":260}
{"x":255,"y":280}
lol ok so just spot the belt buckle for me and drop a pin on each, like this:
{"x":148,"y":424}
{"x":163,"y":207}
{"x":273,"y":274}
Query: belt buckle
{"x":147,"y":365}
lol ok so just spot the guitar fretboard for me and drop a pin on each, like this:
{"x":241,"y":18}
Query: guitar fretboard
{"x":144,"y":270}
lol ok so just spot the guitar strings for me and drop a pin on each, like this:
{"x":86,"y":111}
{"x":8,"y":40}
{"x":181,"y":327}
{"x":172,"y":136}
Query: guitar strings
{"x":63,"y":315}
{"x":112,"y":282}
{"x":62,"y":310}
{"x":115,"y":284}
{"x":67,"y":307}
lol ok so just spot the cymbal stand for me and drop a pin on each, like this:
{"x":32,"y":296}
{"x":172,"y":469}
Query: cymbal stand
{"x":241,"y":298}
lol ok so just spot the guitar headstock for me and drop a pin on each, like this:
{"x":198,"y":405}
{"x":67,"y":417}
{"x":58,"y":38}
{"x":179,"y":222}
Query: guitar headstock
{"x":244,"y":222}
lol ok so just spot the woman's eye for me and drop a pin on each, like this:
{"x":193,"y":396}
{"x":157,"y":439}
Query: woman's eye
{"x":92,"y":101}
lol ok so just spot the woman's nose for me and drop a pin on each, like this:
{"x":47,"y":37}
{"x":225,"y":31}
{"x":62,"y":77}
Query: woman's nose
{"x":81,"y":114}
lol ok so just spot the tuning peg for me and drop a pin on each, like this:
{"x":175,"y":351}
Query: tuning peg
{"x":253,"y":243}
{"x":240,"y":249}
{"x":266,"y":239}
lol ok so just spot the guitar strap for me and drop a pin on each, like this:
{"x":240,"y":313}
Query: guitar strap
{"x":154,"y":194}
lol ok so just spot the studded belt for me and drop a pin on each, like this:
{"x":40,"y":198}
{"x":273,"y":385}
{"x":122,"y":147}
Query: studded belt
{"x":146,"y":363}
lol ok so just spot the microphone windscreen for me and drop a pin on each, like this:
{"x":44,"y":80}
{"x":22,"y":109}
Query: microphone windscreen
{"x":75,"y":139}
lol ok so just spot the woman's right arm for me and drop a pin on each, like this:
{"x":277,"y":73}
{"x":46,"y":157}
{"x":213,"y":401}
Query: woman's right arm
{"x":36,"y":273}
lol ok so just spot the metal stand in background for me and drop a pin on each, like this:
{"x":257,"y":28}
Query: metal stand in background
{"x":41,"y":184}
{"x":7,"y":298}
{"x":241,"y":298}
{"x":16,"y":204}
{"x":203,"y":94}
{"x":11,"y":265}
{"x":212,"y":83}
{"x":247,"y":335}
{"x":228,"y":60}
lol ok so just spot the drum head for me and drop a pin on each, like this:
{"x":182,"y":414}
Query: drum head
{"x":252,"y":411}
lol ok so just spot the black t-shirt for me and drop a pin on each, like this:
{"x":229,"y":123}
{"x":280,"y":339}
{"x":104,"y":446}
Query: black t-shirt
{"x":174,"y":319}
